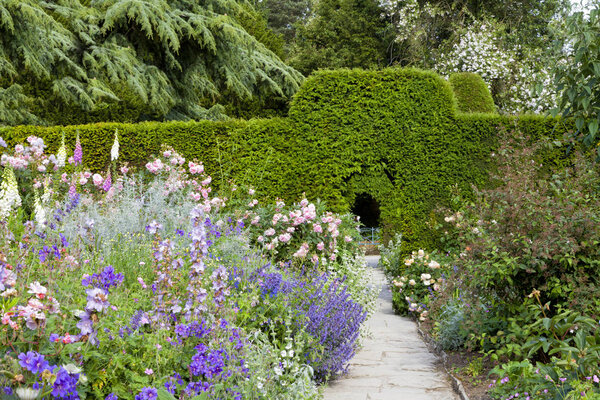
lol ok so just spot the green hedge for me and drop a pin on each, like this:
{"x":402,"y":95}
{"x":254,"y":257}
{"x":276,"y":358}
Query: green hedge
{"x":394,"y":134}
{"x":472,"y":93}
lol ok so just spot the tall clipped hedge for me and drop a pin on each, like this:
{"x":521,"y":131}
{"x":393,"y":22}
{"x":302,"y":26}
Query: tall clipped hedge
{"x":472,"y":93}
{"x":394,"y":134}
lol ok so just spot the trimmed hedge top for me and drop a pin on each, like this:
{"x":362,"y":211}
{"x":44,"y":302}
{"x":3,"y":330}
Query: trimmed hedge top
{"x":393,"y":134}
{"x":472,"y":93}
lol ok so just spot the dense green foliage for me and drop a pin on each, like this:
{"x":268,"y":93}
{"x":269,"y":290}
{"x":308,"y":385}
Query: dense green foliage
{"x":519,"y":279}
{"x":577,"y":77}
{"x":75,"y":61}
{"x":341,"y":33}
{"x":472,"y":93}
{"x":284,"y":15}
{"x":393,"y":134}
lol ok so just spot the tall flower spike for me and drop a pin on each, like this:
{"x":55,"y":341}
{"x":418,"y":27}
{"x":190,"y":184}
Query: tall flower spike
{"x":114,"y":151}
{"x":78,"y":153}
{"x":9,"y":193}
{"x":40,"y":213}
{"x":107,"y":182}
{"x":61,"y":154}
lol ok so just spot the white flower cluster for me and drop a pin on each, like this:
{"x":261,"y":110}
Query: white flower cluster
{"x":114,"y":151}
{"x":40,"y":213}
{"x":9,"y":193}
{"x":61,"y":154}
{"x":525,"y":84}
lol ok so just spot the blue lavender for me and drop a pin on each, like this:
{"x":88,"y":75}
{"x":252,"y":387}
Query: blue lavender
{"x":334,"y":320}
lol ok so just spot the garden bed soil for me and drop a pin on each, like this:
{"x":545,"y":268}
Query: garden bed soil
{"x":466,"y":367}
{"x":475,"y":382}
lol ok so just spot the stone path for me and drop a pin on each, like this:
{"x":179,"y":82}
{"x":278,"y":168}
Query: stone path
{"x":395,"y":363}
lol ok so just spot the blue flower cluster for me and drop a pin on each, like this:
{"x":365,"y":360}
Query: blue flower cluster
{"x":104,"y":280}
{"x":65,"y":382}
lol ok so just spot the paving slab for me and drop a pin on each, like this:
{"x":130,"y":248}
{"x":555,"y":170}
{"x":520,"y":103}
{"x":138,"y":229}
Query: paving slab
{"x":395,"y":363}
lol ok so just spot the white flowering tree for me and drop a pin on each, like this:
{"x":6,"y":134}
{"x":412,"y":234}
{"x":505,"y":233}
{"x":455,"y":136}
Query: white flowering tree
{"x":519,"y":81}
{"x":463,"y":36}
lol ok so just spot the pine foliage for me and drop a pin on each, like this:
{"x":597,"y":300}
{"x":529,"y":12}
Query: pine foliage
{"x":176,"y":59}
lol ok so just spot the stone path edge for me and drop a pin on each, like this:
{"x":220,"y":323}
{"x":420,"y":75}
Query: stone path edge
{"x":456,"y":383}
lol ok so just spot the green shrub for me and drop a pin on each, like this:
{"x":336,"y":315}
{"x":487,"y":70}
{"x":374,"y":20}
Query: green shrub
{"x":393,"y":134}
{"x":472,"y":93}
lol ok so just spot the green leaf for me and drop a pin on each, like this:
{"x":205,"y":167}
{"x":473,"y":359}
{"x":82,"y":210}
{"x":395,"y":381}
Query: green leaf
{"x":593,"y":127}
{"x":164,"y":395}
{"x":546,"y":322}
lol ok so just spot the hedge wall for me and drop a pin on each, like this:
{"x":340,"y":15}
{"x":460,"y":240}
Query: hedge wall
{"x":472,"y":93}
{"x":394,"y":134}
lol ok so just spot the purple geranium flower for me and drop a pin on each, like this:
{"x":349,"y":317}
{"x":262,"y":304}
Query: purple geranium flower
{"x":147,"y":393}
{"x":33,"y":362}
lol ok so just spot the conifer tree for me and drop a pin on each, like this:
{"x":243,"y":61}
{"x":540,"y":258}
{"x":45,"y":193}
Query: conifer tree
{"x":73,"y":61}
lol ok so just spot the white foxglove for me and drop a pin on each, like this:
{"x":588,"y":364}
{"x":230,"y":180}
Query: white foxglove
{"x":61,"y":154}
{"x":40,"y":213}
{"x":9,"y":193}
{"x":114,"y":151}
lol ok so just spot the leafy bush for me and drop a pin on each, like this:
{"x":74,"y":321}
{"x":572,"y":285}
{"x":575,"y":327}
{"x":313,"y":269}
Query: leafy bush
{"x":449,"y":326}
{"x":416,"y":287}
{"x":569,"y":346}
{"x":534,"y":230}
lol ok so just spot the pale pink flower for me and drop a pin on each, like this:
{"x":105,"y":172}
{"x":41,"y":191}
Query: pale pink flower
{"x":270,"y":232}
{"x":37,"y":289}
{"x":302,"y":251}
{"x":97,"y":180}
{"x":285,"y":237}
{"x":347,"y":239}
{"x":321,"y":246}
{"x":317,"y":228}
{"x":141,"y":282}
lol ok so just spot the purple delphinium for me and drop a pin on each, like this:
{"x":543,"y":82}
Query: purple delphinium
{"x":111,"y":396}
{"x":104,"y":280}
